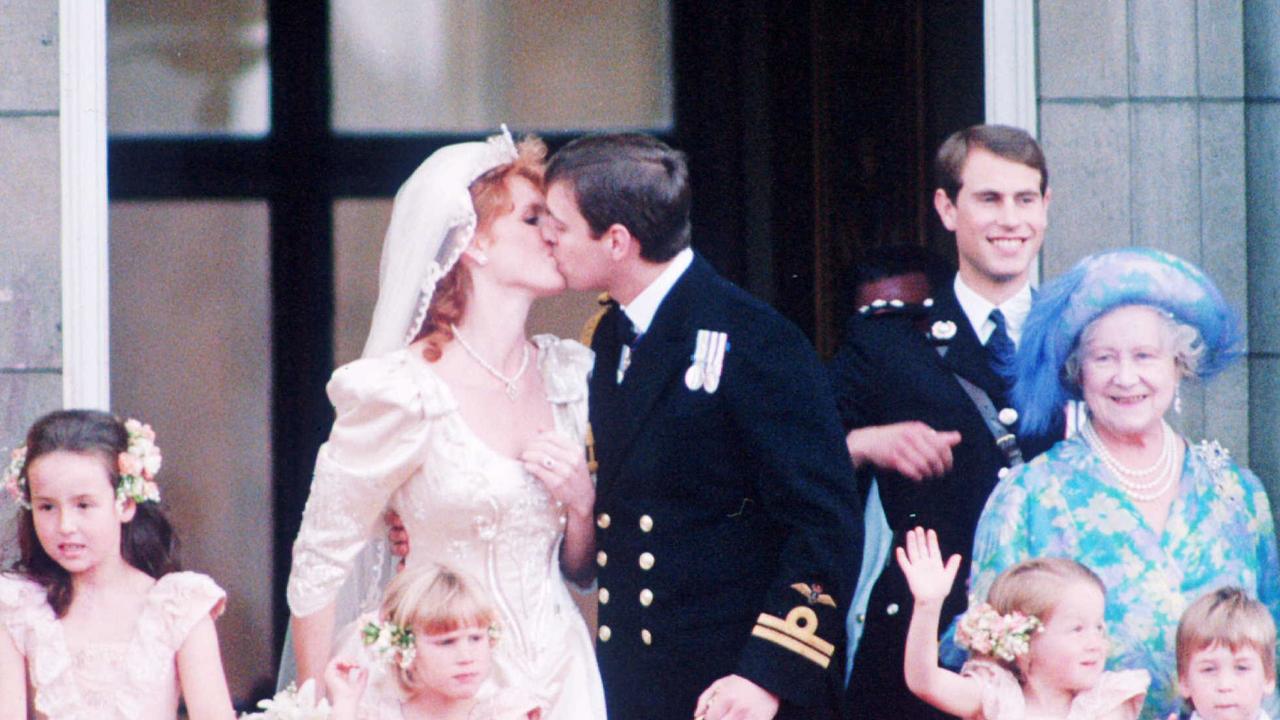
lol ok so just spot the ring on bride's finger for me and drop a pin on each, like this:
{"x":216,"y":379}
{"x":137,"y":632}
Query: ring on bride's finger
{"x":548,"y":463}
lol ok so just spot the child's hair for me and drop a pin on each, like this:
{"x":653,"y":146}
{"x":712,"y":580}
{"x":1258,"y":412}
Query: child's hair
{"x":1033,"y":587}
{"x":1227,"y":616}
{"x":147,"y":542}
{"x":434,"y":599}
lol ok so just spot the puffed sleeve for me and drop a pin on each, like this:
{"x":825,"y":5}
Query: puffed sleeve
{"x":375,"y":446}
{"x":1002,"y":697}
{"x":184,"y":599}
{"x":23,"y":610}
{"x":1117,"y":696}
{"x":565,"y":365}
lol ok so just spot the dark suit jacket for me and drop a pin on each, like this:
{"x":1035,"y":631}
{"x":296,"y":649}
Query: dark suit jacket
{"x":888,"y":371}
{"x":728,"y":529}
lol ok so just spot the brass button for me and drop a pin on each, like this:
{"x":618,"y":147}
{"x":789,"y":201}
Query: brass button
{"x":602,"y":558}
{"x":604,"y":596}
{"x":603,"y":520}
{"x":604,"y":633}
{"x":646,"y":523}
{"x":646,"y":637}
{"x":646,"y":561}
{"x":892,"y":609}
{"x":646,"y":597}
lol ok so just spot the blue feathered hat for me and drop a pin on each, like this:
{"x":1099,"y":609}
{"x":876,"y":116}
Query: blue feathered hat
{"x":1096,"y":285}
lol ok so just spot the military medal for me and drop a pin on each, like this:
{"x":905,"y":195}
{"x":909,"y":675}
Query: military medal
{"x":694,"y":376}
{"x":715,"y":361}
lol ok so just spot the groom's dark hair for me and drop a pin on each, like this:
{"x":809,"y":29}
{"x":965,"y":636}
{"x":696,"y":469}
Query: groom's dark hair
{"x":631,"y":180}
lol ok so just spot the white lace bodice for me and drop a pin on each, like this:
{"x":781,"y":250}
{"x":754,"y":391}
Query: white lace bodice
{"x":400,"y":441}
{"x":134,"y":680}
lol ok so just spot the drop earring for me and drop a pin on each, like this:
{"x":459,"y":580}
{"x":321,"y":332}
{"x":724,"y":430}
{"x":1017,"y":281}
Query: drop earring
{"x":479,"y":257}
{"x":1177,"y":401}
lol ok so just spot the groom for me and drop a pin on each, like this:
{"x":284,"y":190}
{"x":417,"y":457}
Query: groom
{"x":728,"y":532}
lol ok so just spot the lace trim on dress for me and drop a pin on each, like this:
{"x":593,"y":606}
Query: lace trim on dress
{"x":174,"y":605}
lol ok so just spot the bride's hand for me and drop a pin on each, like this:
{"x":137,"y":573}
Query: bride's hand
{"x":561,"y":466}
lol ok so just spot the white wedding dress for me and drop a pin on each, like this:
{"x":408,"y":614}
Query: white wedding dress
{"x":399,"y":441}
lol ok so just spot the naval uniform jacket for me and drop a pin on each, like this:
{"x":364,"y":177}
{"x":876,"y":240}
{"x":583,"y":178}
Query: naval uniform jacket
{"x":888,"y":371}
{"x":728,"y":533}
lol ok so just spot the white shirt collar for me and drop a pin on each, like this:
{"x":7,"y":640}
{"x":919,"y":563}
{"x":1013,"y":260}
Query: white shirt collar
{"x":978,"y":308}
{"x":645,"y":305}
{"x":1262,"y":715}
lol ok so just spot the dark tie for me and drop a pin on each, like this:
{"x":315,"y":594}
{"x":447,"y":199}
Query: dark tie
{"x":999,"y":345}
{"x":626,"y":331}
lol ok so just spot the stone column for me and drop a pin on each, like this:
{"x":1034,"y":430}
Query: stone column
{"x":30,"y":275}
{"x":1262,"y":145}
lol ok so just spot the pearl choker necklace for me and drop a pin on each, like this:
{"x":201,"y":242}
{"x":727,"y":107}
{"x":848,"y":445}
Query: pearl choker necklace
{"x":510,"y":382}
{"x":1162,"y":472}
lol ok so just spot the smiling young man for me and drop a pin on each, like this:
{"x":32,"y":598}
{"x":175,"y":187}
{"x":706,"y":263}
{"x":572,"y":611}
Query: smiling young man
{"x":903,"y":395}
{"x":728,"y":531}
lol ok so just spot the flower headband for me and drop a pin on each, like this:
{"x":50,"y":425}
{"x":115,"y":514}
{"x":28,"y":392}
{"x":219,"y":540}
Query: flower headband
{"x":394,"y":643}
{"x":137,"y":466}
{"x":987,"y":632}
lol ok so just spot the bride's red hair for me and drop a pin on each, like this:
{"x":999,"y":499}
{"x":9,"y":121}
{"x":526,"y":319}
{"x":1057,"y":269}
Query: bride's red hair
{"x":491,"y":197}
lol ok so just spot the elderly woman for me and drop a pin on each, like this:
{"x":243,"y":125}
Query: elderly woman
{"x":1162,"y":521}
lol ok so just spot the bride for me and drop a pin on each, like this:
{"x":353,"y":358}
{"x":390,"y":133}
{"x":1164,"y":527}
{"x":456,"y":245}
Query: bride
{"x":468,"y":429}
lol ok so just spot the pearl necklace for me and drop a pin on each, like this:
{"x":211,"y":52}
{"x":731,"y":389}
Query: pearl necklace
{"x":510,"y":382}
{"x":1162,"y":472}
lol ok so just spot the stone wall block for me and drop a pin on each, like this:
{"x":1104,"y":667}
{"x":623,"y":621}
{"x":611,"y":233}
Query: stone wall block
{"x":25,"y":396}
{"x":1261,"y":40}
{"x":1166,"y":178}
{"x":1162,"y":54}
{"x":1083,"y":48}
{"x":1222,"y":200}
{"x":1264,"y":439}
{"x":30,"y":296}
{"x":1220,"y":31}
{"x":1087,"y":148}
{"x":1262,"y":148}
{"x":28,"y":56}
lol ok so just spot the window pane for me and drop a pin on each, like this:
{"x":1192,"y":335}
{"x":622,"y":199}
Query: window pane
{"x":187,"y":67}
{"x":443,"y":65}
{"x":357,"y":246}
{"x":191,"y":354}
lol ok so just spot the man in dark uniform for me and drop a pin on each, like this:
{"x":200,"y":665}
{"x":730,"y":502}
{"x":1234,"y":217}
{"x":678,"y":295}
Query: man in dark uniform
{"x":728,"y":532}
{"x":904,"y":394}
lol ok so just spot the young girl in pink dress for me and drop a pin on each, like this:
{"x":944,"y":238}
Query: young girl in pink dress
{"x":432,"y":656}
{"x":96,"y":623}
{"x":1038,"y":644}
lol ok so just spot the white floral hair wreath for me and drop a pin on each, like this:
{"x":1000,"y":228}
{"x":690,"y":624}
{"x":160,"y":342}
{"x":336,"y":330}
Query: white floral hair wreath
{"x":987,"y":632}
{"x":393,"y":643}
{"x":432,"y":222}
{"x":137,"y":465}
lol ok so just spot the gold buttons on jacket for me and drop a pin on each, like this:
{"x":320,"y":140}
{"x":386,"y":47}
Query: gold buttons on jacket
{"x":603,"y":595}
{"x":892,"y":609}
{"x":646,"y":523}
{"x":604,"y":633}
{"x":646,"y":637}
{"x":602,"y":558}
{"x":646,"y":561}
{"x":603,"y":520}
{"x":646,"y":597}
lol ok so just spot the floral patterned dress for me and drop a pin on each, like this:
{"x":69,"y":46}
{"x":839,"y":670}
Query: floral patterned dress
{"x":133,"y":680}
{"x":1219,"y":532}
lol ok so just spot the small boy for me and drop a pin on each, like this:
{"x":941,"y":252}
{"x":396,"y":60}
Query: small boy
{"x":1226,"y":656}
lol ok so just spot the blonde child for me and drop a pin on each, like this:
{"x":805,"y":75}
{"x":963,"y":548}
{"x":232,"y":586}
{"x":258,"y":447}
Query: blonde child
{"x":1038,"y":644}
{"x":96,"y":622}
{"x":1226,"y":656}
{"x":433,"y":652}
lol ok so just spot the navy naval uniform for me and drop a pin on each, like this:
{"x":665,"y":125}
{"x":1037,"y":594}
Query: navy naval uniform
{"x":728,"y":534}
{"x":886,"y":371}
